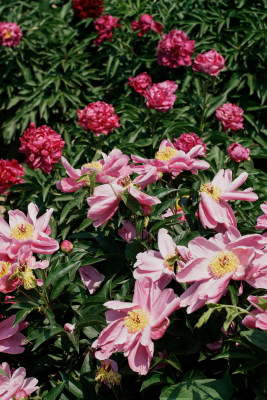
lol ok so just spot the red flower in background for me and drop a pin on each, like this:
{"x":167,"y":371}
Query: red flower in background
{"x":87,"y":8}
{"x":10,"y":34}
{"x":98,"y":117}
{"x":175,"y":49}
{"x":42,"y":146}
{"x":161,"y":95}
{"x":210,"y":63}
{"x":187,"y":141}
{"x":238,"y":153}
{"x":231,"y":117}
{"x":141,"y":82}
{"x":144,"y":23}
{"x":104,"y":26}
{"x":10,"y":174}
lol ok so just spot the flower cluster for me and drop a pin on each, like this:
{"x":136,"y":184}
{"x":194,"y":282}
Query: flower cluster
{"x":175,"y":49}
{"x":11,"y":173}
{"x":10,"y":34}
{"x":98,"y":117}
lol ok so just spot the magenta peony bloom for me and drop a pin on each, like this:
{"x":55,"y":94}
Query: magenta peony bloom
{"x":161,"y":266}
{"x":42,"y":146}
{"x":66,"y":247}
{"x":133,"y":325}
{"x":14,"y":386}
{"x":238,"y":153}
{"x":98,"y":117}
{"x":10,"y":174}
{"x":104,"y":26}
{"x":214,"y":211}
{"x":187,"y":141}
{"x":28,"y":231}
{"x":214,"y":262}
{"x":259,"y":320}
{"x":160,"y":96}
{"x":10,"y":34}
{"x":231,"y":117}
{"x":140,"y":82}
{"x":144,"y":23}
{"x":10,"y":337}
{"x":91,"y":278}
{"x":87,"y":8}
{"x":262,"y":220}
{"x":175,"y":49}
{"x":107,"y":373}
{"x":210,"y":63}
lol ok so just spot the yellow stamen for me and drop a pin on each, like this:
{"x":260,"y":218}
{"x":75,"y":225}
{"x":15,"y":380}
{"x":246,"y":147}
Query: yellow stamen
{"x":178,"y":208}
{"x":169,"y":261}
{"x":22,"y":231}
{"x":136,"y":320}
{"x":4,"y":266}
{"x":166,"y":154}
{"x":105,"y":374}
{"x":94,"y":164}
{"x":29,"y":280}
{"x":212,"y":190}
{"x":223,"y":263}
{"x":125,"y":182}
{"x":7,"y":35}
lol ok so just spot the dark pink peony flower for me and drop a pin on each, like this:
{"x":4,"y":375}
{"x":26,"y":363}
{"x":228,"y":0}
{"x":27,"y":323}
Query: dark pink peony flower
{"x":10,"y":174}
{"x":238,"y":153}
{"x":210,"y":63}
{"x":98,"y":117}
{"x":187,"y":141}
{"x":104,"y":26}
{"x":161,"y":95}
{"x":231,"y":117}
{"x":42,"y":146}
{"x":144,"y":23}
{"x":87,"y":8}
{"x":66,"y":246}
{"x":175,"y":49}
{"x":10,"y":34}
{"x":141,"y":82}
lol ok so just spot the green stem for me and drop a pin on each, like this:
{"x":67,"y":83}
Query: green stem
{"x":115,"y":393}
{"x":44,"y":299}
{"x":99,"y":149}
{"x":202,"y":122}
{"x":26,"y":295}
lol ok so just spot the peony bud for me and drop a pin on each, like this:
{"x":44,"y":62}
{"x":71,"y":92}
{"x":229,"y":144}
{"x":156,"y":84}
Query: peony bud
{"x":66,"y":246}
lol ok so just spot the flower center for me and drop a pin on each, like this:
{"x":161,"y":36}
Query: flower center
{"x":29,"y":280}
{"x":22,"y":231}
{"x":125,"y":182}
{"x":7,"y":34}
{"x":166,"y":154}
{"x":94,"y":164}
{"x":211,"y":190}
{"x":4,"y":266}
{"x":179,"y":208}
{"x":105,"y":374}
{"x":136,"y":320}
{"x":223,"y":263}
{"x":169,"y":261}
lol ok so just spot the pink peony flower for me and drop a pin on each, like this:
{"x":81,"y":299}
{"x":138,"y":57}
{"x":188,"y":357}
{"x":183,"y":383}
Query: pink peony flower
{"x":262,"y":220}
{"x":7,"y":284}
{"x":10,"y":174}
{"x":14,"y":386}
{"x":140,"y":82}
{"x":107,"y":373}
{"x":104,"y":26}
{"x":70,"y":328}
{"x":128,"y":232}
{"x":160,"y":96}
{"x":210,"y":63}
{"x":214,"y":211}
{"x":144,"y":23}
{"x":11,"y":340}
{"x":133,"y":325}
{"x":175,"y":49}
{"x":91,"y":278}
{"x":66,"y":247}
{"x":10,"y":34}
{"x":259,"y":320}
{"x":231,"y":117}
{"x":161,"y":266}
{"x":214,"y":262}
{"x":87,"y":8}
{"x":187,"y":141}
{"x":42,"y":146}
{"x":98,"y":117}
{"x":28,"y":231}
{"x":238,"y":153}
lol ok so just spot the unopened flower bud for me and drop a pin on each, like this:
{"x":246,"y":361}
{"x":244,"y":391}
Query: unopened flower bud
{"x":66,"y":246}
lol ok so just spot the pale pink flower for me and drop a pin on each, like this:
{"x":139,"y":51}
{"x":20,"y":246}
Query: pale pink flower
{"x":140,"y":82}
{"x":27,"y":230}
{"x":175,"y":49}
{"x":91,"y":278}
{"x":262,"y":220}
{"x":214,"y":211}
{"x":7,"y":284}
{"x":104,"y":26}
{"x":10,"y":34}
{"x":187,"y":141}
{"x":144,"y":23}
{"x":160,"y":96}
{"x":66,"y":247}
{"x":214,"y":263}
{"x":70,"y":328}
{"x":14,"y":386}
{"x":210,"y":63}
{"x":133,"y":325}
{"x":107,"y":373}
{"x":11,"y":340}
{"x":259,"y":320}
{"x":231,"y":117}
{"x":238,"y":153}
{"x":161,"y":266}
{"x":98,"y":117}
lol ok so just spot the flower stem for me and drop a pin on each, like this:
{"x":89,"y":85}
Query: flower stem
{"x":202,"y":122}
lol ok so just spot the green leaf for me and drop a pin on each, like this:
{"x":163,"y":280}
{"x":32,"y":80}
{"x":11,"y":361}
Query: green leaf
{"x":131,"y":203}
{"x":257,"y":338}
{"x":47,"y":333}
{"x":60,"y":270}
{"x":156,"y":379}
{"x":55,"y":392}
{"x":73,"y":386}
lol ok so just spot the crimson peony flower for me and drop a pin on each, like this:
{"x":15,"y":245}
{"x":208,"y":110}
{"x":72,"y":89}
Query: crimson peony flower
{"x":42,"y":146}
{"x":187,"y":141}
{"x":10,"y":174}
{"x":161,"y":95}
{"x":210,"y":63}
{"x":238,"y":153}
{"x":10,"y":34}
{"x":175,"y":49}
{"x":104,"y":26}
{"x":98,"y":117}
{"x":231,"y":117}
{"x":87,"y":8}
{"x":141,"y":82}
{"x":144,"y":23}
